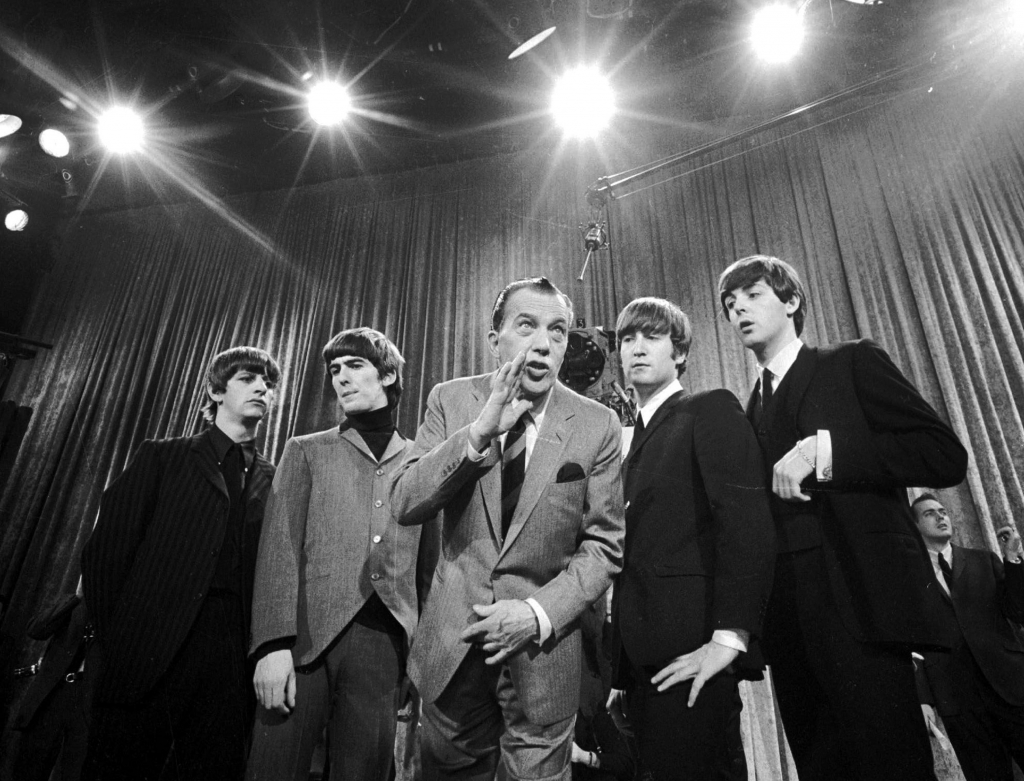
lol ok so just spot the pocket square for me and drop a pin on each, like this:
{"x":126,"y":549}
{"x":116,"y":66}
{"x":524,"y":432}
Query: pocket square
{"x":569,"y":473}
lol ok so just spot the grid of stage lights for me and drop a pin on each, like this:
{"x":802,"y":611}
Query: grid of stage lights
{"x":583,"y":103}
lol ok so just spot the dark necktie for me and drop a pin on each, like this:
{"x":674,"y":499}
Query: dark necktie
{"x":766,"y":389}
{"x":638,"y":429}
{"x":233,"y":468}
{"x":947,"y":573}
{"x":513,"y":470}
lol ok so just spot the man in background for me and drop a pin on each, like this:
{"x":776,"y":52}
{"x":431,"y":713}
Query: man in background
{"x":526,"y":476}
{"x":843,"y":434}
{"x":168,"y":575}
{"x":700,"y":541}
{"x":978,"y":689}
{"x":335,"y":601}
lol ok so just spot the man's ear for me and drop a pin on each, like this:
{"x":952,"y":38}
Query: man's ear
{"x":492,"y":342}
{"x":792,"y":305}
{"x":218,"y":397}
{"x":388,"y":379}
{"x":681,"y":363}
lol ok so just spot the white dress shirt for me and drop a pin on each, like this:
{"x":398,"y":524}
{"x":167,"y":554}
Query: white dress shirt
{"x":947,"y":554}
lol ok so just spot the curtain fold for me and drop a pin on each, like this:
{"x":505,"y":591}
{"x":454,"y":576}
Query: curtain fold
{"x":905,"y":218}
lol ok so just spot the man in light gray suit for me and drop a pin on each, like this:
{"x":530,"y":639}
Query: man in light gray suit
{"x":335,"y":597}
{"x":526,"y":475}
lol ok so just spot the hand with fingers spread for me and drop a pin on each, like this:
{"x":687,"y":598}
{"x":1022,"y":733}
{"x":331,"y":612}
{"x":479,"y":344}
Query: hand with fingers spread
{"x":505,"y":627}
{"x":793,"y":468}
{"x":274,"y":681}
{"x":700,"y":665}
{"x":503,"y":407}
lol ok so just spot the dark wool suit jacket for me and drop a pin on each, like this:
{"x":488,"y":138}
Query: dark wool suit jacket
{"x":987,"y":600}
{"x":152,"y":556}
{"x":563,"y":546}
{"x":700,"y":542}
{"x":885,"y":437}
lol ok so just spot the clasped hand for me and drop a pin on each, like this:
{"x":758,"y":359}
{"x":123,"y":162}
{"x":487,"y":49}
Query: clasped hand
{"x":793,"y":468}
{"x":505,"y":627}
{"x":274,"y":681}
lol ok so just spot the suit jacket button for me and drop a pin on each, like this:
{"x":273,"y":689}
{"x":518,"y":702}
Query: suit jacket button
{"x":376,"y":538}
{"x":379,"y":472}
{"x":378,"y":503}
{"x":375,"y":576}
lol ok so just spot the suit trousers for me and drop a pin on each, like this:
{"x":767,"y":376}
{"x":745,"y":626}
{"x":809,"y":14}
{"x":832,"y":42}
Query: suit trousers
{"x":679,"y":743}
{"x":352,"y":690}
{"x":849,"y":708}
{"x":58,"y":734}
{"x":987,"y":733}
{"x":477,"y":731}
{"x":202,"y":706}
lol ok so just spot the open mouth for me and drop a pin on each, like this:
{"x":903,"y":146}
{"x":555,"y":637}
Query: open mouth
{"x":746,"y":326}
{"x":536,"y":371}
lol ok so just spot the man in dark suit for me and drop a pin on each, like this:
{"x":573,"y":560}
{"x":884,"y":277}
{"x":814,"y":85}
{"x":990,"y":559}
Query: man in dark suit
{"x":526,"y":475}
{"x":699,"y":554}
{"x":843,"y":434}
{"x":978,"y":689}
{"x":168,"y":576}
{"x":335,"y":600}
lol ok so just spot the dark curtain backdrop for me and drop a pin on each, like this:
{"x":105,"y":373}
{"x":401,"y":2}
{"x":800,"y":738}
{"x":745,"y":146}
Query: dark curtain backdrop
{"x":903,"y":215}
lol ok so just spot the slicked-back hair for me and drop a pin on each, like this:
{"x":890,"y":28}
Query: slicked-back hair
{"x":227,"y":364}
{"x":777,"y":274}
{"x":372,"y":346}
{"x":924,"y":498}
{"x":650,"y":316}
{"x":539,"y":284}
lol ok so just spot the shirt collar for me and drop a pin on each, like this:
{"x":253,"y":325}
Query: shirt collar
{"x":222,"y":444}
{"x":946,"y":553}
{"x":659,"y":398}
{"x":782,"y":362}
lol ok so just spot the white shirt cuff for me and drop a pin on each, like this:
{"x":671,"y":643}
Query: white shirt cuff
{"x":475,"y":457}
{"x":732,"y":638}
{"x":823,"y":457}
{"x":542,"y":620}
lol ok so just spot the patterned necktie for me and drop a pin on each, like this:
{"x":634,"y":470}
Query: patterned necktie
{"x":947,"y":573}
{"x":513,"y":470}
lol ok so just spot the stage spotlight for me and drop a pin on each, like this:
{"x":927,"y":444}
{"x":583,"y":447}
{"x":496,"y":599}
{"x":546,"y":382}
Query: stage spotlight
{"x":16,"y":220}
{"x":54,"y":143}
{"x":329,"y":103}
{"x":9,"y":124}
{"x":777,"y":32}
{"x":583,"y":102}
{"x":121,"y":130}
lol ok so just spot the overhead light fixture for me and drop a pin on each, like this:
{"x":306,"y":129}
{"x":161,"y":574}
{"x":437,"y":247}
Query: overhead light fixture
{"x":329,"y":103}
{"x":777,"y":31}
{"x":528,"y":44}
{"x":9,"y":124}
{"x":16,"y":220}
{"x":583,"y":102}
{"x":121,"y":130}
{"x":54,"y":143}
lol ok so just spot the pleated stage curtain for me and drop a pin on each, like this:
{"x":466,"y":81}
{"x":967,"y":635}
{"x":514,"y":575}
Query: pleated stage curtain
{"x":903,"y":215}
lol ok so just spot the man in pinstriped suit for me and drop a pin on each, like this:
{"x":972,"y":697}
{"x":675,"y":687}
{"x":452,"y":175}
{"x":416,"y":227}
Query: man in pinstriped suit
{"x":526,"y":475}
{"x":168,"y":577}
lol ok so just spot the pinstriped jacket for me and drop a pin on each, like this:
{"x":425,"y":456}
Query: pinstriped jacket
{"x":152,"y":556}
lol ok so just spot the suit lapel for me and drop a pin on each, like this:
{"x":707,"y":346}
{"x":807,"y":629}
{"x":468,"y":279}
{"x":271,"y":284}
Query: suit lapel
{"x":544,"y":460}
{"x":791,"y":390}
{"x":752,"y":401}
{"x":659,"y":416}
{"x":206,"y":462}
{"x":350,"y":435}
{"x":489,"y":483}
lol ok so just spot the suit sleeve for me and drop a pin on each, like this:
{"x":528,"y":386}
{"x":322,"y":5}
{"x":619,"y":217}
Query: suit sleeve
{"x":732,"y":471}
{"x":1010,"y":578}
{"x":126,"y":509}
{"x":435,"y":468}
{"x":909,"y":444}
{"x":598,"y":557}
{"x":275,"y":596}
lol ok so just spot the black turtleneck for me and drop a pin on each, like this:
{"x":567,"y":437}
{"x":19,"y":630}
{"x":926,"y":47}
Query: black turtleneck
{"x":375,"y":427}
